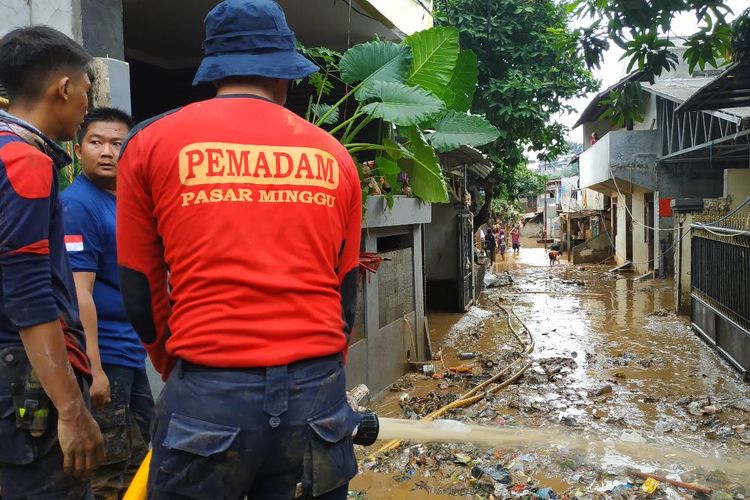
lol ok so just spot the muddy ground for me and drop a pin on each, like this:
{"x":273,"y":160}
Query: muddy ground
{"x":612,"y":365}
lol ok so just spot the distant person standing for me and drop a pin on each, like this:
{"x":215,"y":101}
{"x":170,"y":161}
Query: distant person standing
{"x":490,"y":244}
{"x":515,"y":237}
{"x":502,"y":244}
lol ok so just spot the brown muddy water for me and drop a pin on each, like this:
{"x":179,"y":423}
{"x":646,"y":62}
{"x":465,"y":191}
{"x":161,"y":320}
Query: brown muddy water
{"x":613,"y":369}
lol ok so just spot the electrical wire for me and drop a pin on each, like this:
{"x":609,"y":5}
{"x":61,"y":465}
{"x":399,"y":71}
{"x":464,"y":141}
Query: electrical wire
{"x":426,"y":9}
{"x":672,"y":247}
{"x":632,"y":218}
{"x":364,"y":14}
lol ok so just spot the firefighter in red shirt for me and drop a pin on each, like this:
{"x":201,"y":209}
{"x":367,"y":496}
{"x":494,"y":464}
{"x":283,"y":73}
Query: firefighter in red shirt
{"x":238,"y":239}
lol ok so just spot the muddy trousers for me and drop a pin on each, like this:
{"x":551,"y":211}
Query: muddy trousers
{"x":126,"y":427}
{"x":265,"y":433}
{"x":31,"y":467}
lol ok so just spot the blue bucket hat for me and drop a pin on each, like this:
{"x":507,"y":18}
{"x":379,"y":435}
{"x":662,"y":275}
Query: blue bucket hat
{"x":250,"y":38}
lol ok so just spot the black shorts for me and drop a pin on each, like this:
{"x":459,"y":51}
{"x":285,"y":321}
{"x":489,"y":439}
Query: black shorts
{"x":516,"y":246}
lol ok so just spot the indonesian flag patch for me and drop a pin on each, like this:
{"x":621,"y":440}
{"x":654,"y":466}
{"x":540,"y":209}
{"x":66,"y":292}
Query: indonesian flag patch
{"x":74,"y":242}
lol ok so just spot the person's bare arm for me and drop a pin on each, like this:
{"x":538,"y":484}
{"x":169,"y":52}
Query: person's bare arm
{"x":79,"y":436}
{"x":99,"y":389}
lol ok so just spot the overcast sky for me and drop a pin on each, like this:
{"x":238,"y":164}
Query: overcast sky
{"x":612,"y":69}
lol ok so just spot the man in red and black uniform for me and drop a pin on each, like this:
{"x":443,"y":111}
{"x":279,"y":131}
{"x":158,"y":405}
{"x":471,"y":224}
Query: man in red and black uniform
{"x":45,"y":426}
{"x":238,"y":239}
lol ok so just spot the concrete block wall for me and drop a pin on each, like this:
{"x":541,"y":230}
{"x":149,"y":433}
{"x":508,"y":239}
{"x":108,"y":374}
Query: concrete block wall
{"x":396,"y":285}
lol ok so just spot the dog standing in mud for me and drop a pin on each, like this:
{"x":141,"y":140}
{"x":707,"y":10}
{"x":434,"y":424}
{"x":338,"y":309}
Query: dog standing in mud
{"x":553,"y":257}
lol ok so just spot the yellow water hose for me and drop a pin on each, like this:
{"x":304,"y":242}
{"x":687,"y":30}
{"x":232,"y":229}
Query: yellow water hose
{"x":137,"y":488}
{"x":4,"y":103}
{"x":471,"y":396}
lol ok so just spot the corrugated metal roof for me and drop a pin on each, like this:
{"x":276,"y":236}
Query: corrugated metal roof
{"x":466,"y":156}
{"x":682,"y":89}
{"x":731,"y":90}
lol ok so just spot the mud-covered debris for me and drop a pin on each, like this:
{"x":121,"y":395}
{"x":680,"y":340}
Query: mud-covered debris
{"x":625,"y":490}
{"x":664,"y":426}
{"x":700,"y":408}
{"x":467,"y":355}
{"x":553,"y":366}
{"x":535,"y":375}
{"x":462,"y":458}
{"x":720,"y":495}
{"x":650,"y":486}
{"x":574,"y":282}
{"x":742,"y":405}
{"x":661,"y":313}
{"x":599,"y":391}
{"x":743,"y":433}
{"x":501,"y":491}
{"x":545,"y":494}
{"x":599,"y":413}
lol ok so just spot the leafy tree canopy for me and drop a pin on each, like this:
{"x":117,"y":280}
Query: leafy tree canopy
{"x":530,"y":65}
{"x":643,"y":29}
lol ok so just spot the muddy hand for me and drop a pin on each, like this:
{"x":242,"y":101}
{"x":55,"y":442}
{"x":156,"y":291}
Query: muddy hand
{"x":81,"y":443}
{"x":99,"y":390}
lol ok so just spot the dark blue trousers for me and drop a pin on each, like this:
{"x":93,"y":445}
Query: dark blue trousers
{"x":31,"y":467}
{"x":268,"y":433}
{"x":126,"y":427}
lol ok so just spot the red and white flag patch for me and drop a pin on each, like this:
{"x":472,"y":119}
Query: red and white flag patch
{"x":74,"y":242}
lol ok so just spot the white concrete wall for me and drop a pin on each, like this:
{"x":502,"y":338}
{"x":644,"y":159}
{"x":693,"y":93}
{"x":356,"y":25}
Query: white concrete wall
{"x":408,"y":16}
{"x":621,"y":231}
{"x":63,"y":15}
{"x":594,"y":163}
{"x":737,"y":187}
{"x":649,"y":113}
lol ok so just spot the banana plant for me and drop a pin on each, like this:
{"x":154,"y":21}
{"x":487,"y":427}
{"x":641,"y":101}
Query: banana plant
{"x":421,"y":89}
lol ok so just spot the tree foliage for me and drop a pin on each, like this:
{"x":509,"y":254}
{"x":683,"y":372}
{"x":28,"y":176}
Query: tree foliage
{"x":419,"y":88}
{"x":643,"y":29}
{"x":529,"y":67}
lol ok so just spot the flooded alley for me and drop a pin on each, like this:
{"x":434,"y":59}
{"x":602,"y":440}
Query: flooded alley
{"x":616,"y":389}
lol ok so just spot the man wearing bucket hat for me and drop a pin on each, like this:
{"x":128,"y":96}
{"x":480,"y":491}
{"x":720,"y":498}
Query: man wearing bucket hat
{"x":256,"y":215}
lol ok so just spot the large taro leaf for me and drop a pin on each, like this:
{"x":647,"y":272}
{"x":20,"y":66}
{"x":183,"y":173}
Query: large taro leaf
{"x":435,"y":52}
{"x":421,"y":163}
{"x":460,"y":92}
{"x":375,"y":61}
{"x":401,"y":104}
{"x":457,"y":129}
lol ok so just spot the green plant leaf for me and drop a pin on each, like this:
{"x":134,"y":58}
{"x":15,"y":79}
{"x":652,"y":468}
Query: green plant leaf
{"x":394,"y":149}
{"x":457,"y":129}
{"x":321,"y":109}
{"x":381,"y":61}
{"x":386,"y":166}
{"x":460,"y":91}
{"x":401,"y":104}
{"x":435,"y":52}
{"x":423,"y":167}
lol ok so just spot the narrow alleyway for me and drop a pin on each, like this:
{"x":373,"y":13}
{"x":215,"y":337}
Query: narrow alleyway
{"x":612,"y":363}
